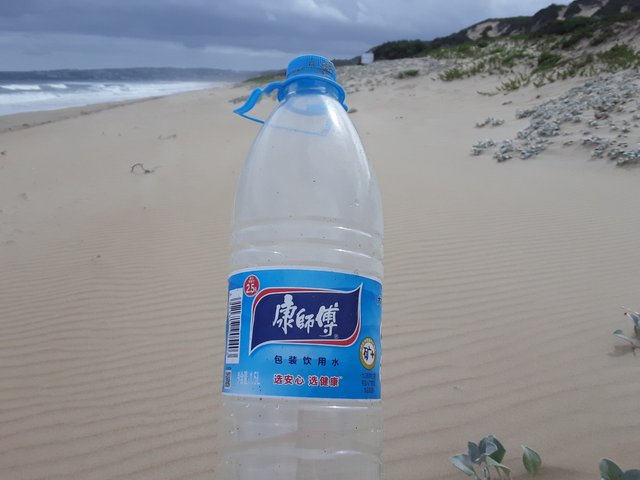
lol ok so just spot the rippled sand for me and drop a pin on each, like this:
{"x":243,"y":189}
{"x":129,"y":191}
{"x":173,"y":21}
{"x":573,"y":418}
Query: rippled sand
{"x":503,"y":283}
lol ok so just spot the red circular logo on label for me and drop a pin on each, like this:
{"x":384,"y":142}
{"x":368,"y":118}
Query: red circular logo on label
{"x":251,"y":285}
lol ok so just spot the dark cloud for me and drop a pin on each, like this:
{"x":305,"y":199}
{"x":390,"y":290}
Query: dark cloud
{"x":190,"y":28}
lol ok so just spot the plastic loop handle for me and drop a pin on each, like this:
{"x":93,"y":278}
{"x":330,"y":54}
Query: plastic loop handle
{"x":281,"y":87}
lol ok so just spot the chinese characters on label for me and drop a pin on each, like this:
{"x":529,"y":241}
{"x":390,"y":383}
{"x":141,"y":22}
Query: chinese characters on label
{"x":312,"y":380}
{"x":287,"y":312}
{"x":306,"y":360}
{"x":303,"y":333}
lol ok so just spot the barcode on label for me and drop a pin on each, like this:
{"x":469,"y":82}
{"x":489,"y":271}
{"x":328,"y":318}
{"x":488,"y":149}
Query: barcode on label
{"x":234,"y":315}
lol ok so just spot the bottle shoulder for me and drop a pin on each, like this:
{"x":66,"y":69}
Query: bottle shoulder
{"x":306,"y":163}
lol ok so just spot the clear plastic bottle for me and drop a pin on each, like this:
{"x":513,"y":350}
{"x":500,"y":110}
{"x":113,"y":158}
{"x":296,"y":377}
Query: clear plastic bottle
{"x":307,"y":221}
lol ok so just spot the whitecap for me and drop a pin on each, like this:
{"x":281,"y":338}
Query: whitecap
{"x":21,"y":87}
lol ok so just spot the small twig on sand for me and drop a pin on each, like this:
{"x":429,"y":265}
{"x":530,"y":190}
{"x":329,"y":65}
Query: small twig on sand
{"x":139,"y":168}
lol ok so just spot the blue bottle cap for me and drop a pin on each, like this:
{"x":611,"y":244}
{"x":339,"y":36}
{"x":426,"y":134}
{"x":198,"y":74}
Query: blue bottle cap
{"x":303,"y":67}
{"x":311,"y":65}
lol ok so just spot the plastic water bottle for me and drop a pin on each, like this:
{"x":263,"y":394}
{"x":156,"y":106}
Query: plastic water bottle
{"x":301,"y":383}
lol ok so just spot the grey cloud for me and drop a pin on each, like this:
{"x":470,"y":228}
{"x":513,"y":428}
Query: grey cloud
{"x":336,"y":28}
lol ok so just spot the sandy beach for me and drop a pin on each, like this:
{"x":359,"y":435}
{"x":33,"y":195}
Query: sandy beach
{"x":503,"y":283}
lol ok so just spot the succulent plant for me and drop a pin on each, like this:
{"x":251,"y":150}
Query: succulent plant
{"x":486,"y":456}
{"x":609,"y":470}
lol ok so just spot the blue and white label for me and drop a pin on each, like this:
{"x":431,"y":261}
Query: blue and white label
{"x":303,"y":333}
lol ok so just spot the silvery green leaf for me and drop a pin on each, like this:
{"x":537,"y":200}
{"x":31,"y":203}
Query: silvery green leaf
{"x":474,"y":452}
{"x":609,"y":470}
{"x":499,"y":454}
{"x":621,"y":334}
{"x":631,"y":475}
{"x":634,"y":316}
{"x":463,"y":463}
{"x":499,"y":467}
{"x":487,"y":446}
{"x":531,"y":459}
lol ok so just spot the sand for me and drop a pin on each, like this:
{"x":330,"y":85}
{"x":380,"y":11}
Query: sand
{"x":503,"y":284}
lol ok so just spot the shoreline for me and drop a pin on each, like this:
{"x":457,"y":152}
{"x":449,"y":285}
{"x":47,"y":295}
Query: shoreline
{"x":21,"y":120}
{"x":387,"y":74}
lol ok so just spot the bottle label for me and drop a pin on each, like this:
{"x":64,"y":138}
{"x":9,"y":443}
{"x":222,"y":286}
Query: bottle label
{"x":303,"y":333}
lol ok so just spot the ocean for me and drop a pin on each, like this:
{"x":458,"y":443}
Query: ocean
{"x":55,"y":89}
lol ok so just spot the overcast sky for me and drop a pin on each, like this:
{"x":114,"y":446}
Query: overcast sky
{"x":236,"y":34}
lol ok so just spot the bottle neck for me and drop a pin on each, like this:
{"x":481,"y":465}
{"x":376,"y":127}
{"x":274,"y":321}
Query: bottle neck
{"x":309,"y":86}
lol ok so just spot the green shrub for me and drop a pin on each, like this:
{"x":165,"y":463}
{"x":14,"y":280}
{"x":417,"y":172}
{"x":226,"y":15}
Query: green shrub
{"x":408,"y":73}
{"x":399,"y":49}
{"x":547,"y":60}
{"x":578,"y":66}
{"x":454,"y":73}
{"x":463,"y":50}
{"x":514,"y":83}
{"x":510,"y":57}
{"x":569,"y":25}
{"x":575,"y":38}
{"x":602,"y":36}
{"x":498,"y":50}
{"x":619,"y":57}
{"x":267,"y":77}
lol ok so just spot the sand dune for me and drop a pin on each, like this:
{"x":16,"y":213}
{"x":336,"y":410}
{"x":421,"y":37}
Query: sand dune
{"x":503,"y":283}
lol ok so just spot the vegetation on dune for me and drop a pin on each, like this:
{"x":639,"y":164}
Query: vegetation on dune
{"x":413,"y":72}
{"x":524,"y":60}
{"x":400,"y":49}
{"x":620,"y":57}
{"x":534,"y":50}
{"x":267,"y":77}
{"x":568,"y":32}
{"x":547,"y":60}
{"x":524,"y":50}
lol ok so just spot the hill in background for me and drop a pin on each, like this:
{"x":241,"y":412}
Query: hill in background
{"x":592,"y":20}
{"x":584,"y":38}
